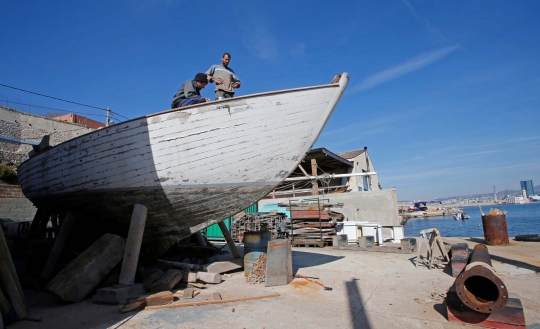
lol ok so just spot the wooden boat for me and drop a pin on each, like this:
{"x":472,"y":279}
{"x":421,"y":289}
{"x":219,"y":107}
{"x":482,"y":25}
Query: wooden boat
{"x":191,"y":166}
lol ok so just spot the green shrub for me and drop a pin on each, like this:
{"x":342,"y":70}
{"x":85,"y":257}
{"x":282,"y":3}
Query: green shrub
{"x":8,"y":175}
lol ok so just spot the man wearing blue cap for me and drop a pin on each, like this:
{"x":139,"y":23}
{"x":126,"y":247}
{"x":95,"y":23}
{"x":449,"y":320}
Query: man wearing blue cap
{"x":190,"y":92}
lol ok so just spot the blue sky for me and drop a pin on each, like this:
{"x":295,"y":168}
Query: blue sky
{"x":445,"y":95}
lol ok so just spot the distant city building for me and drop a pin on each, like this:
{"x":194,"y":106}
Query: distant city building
{"x":528,"y":187}
{"x":514,"y":199}
{"x":79,"y":119}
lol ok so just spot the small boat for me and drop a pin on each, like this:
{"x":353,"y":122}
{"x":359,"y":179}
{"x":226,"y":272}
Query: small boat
{"x":191,"y":167}
{"x":461,"y":216}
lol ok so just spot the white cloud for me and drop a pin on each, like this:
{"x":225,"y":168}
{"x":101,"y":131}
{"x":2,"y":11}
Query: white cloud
{"x":436,"y":34}
{"x":414,"y":64}
{"x":261,"y":42}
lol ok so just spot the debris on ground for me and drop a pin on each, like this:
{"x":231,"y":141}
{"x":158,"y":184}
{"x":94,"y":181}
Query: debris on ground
{"x":313,"y":281}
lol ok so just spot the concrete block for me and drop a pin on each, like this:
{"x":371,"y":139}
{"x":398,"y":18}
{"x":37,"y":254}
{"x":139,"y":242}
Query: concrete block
{"x":339,"y":240}
{"x":118,"y":293}
{"x":189,"y":277}
{"x":86,"y":271}
{"x":366,"y":241}
{"x":209,"y":277}
{"x":408,"y":244}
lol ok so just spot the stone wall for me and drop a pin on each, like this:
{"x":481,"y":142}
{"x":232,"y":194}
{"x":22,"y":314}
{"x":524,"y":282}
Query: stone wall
{"x":14,"y":206}
{"x":30,"y":127}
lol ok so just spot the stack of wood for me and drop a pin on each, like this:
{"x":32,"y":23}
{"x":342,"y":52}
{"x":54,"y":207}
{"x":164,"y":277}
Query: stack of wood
{"x":311,"y":224}
{"x":251,"y":222}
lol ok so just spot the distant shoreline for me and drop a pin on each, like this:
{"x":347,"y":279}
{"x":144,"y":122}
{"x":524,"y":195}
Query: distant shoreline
{"x":461,"y":205}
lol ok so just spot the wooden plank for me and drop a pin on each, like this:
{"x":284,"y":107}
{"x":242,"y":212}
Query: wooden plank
{"x":167,"y":281}
{"x":5,"y":308}
{"x":7,"y":284}
{"x":133,"y":245}
{"x":10,"y":280}
{"x":152,"y":279}
{"x":177,"y":304}
{"x":139,"y":303}
{"x":86,"y":271}
{"x":303,"y":170}
{"x":314,"y":173}
{"x":59,"y":242}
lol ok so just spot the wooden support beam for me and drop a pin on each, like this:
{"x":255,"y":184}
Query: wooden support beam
{"x":303,"y":170}
{"x":314,"y":173}
{"x":9,"y":281}
{"x":59,"y":242}
{"x":229,"y":239}
{"x":133,"y":245}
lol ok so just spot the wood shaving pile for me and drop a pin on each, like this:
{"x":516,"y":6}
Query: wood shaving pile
{"x":258,"y":271}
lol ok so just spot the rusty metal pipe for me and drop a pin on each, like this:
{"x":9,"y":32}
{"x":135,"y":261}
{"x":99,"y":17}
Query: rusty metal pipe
{"x":478,"y":287}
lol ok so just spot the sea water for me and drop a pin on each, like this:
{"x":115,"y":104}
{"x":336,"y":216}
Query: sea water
{"x":520,"y":219}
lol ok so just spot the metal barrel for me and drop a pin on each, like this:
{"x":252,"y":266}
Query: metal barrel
{"x":478,"y":287}
{"x":255,"y":243}
{"x":495,"y":230}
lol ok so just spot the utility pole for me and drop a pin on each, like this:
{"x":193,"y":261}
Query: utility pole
{"x":108,"y":116}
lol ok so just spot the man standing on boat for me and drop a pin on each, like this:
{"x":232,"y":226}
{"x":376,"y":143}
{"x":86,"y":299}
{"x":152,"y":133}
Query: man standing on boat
{"x":190,"y":92}
{"x":224,"y":77}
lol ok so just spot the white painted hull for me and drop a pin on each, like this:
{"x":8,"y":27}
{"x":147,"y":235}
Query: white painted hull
{"x":191,"y":167}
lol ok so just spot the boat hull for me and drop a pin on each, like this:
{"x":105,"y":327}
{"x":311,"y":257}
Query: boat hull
{"x":191,"y":167}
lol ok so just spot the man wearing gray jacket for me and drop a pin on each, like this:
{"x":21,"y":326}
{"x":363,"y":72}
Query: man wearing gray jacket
{"x":190,"y":92}
{"x":224,"y":77}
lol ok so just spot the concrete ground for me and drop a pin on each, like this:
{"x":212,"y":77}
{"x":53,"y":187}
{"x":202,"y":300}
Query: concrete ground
{"x":369,"y":290}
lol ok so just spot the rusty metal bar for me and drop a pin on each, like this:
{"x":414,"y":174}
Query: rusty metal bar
{"x":478,"y":287}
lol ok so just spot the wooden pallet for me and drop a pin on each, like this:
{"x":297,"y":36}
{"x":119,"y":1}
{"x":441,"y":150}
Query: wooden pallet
{"x":308,"y":243}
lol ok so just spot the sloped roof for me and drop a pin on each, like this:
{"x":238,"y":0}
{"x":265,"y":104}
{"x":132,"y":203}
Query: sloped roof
{"x":351,"y":154}
{"x":326,"y":157}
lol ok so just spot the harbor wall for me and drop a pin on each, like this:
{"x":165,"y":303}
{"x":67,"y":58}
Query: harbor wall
{"x":375,"y":206}
{"x":29,"y":127}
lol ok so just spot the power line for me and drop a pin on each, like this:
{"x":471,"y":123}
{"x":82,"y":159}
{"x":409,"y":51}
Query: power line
{"x":50,"y":108}
{"x":119,"y":115}
{"x":59,"y":99}
{"x":118,"y":120}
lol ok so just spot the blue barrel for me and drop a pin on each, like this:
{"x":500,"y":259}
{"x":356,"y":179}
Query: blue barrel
{"x":255,"y":244}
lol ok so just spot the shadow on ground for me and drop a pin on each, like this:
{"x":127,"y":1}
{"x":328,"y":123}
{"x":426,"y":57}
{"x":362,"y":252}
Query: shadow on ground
{"x":57,"y":314}
{"x":359,"y":318}
{"x":302,"y":259}
{"x":509,"y":261}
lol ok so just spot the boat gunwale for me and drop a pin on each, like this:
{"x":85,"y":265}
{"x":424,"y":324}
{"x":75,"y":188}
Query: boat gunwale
{"x":180,"y":109}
